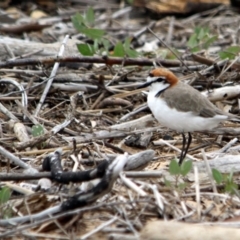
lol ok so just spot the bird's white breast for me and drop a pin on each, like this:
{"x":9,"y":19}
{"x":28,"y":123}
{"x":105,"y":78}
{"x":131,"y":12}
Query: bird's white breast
{"x":177,"y":120}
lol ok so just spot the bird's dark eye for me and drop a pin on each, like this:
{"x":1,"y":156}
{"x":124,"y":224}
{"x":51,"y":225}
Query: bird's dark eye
{"x":161,"y":79}
{"x":151,"y":75}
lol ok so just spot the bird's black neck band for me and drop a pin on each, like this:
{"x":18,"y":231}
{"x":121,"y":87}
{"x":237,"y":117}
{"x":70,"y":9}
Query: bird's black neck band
{"x":161,"y":91}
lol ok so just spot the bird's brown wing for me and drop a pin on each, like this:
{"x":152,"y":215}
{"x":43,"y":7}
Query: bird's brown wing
{"x":187,"y":99}
{"x":208,"y":113}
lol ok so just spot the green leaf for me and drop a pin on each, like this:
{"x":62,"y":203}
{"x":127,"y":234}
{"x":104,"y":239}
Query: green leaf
{"x":127,"y":47}
{"x":197,"y":30}
{"x":89,"y":16}
{"x":127,"y":43}
{"x":195,"y":49}
{"x":200,"y":37}
{"x":225,"y":55}
{"x":202,"y":33}
{"x":106,"y":44}
{"x":217,"y":176}
{"x":174,"y":167}
{"x":119,"y":50}
{"x":85,"y":49}
{"x":230,"y":52}
{"x":231,"y":187}
{"x":37,"y":130}
{"x":93,"y":33}
{"x":192,"y":42}
{"x":5,"y":195}
{"x":78,"y":22}
{"x":130,"y":2}
{"x":132,"y":53}
{"x":233,"y":49}
{"x":182,"y":186}
{"x":95,"y":45}
{"x":225,"y":178}
{"x":186,"y":167}
{"x":231,"y":176}
{"x":209,"y":41}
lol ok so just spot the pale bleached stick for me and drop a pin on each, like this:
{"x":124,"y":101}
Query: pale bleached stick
{"x":132,"y":185}
{"x":197,"y":190}
{"x":219,"y":152}
{"x":97,"y":229}
{"x":226,"y":164}
{"x":51,"y":78}
{"x":209,"y":172}
{"x":21,"y":90}
{"x":134,"y":124}
{"x":222,"y":93}
{"x":228,"y":145}
{"x":103,"y":134}
{"x":132,"y":113}
{"x":177,"y":149}
{"x":13,"y":159}
{"x":169,"y":230}
{"x":158,"y":197}
{"x":8,"y":113}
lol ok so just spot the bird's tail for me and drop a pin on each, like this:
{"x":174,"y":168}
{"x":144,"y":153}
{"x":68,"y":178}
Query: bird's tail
{"x":234,"y":118}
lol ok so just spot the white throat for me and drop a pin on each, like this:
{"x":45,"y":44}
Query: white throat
{"x":156,"y":86}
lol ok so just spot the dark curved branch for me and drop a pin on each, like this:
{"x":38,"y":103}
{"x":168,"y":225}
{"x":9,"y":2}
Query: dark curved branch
{"x":106,"y":60}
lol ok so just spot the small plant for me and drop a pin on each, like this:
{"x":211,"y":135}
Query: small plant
{"x":179,"y":171}
{"x":130,"y":2}
{"x":5,"y":194}
{"x":227,"y":180}
{"x":37,"y":130}
{"x":230,"y":52}
{"x":85,"y":24}
{"x":121,"y":50}
{"x":200,"y":39}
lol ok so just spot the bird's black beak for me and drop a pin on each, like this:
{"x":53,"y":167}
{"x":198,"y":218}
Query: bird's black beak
{"x":146,"y":84}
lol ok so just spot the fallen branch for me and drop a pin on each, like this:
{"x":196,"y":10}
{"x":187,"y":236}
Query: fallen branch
{"x":84,"y":59}
{"x":136,"y":161}
{"x":174,"y":230}
{"x":80,"y":199}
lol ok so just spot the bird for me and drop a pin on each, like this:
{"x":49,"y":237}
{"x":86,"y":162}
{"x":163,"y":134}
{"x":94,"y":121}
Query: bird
{"x":180,"y":107}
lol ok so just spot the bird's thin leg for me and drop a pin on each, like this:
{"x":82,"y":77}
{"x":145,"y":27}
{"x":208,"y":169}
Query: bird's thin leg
{"x":183,"y":148}
{"x":186,"y":149}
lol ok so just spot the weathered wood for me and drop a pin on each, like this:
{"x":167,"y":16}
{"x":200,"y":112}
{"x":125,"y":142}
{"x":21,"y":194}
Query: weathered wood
{"x":35,"y":49}
{"x":159,"y":230}
{"x":180,"y":6}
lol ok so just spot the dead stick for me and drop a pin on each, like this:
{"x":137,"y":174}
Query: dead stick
{"x":106,"y":60}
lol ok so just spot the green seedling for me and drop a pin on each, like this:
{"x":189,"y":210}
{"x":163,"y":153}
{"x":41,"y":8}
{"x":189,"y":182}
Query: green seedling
{"x":37,"y":130}
{"x":226,"y":180}
{"x":179,"y":172}
{"x":5,"y":209}
{"x":200,"y":39}
{"x":85,"y":24}
{"x":229,"y":53}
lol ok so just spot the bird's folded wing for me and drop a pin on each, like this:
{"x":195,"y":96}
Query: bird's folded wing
{"x":191,"y":100}
{"x":210,"y":113}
